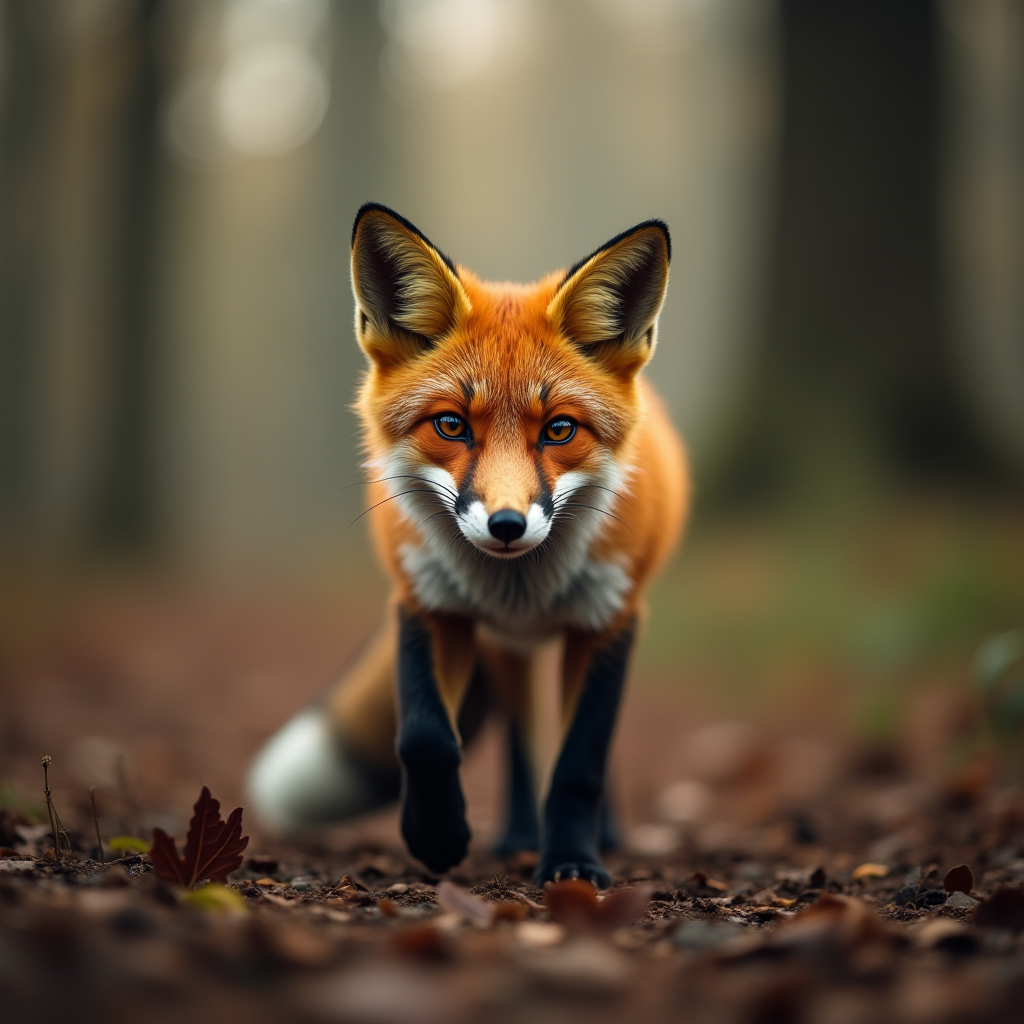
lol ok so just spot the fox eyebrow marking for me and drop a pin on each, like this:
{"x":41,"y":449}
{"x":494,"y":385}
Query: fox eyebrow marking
{"x":545,"y":393}
{"x":468,"y":391}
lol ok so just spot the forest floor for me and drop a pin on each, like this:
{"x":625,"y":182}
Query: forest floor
{"x":778,"y":867}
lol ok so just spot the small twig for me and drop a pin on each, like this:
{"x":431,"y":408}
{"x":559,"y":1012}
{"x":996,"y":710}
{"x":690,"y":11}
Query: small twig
{"x":96,"y":822}
{"x":56,"y":827}
{"x":49,"y":806}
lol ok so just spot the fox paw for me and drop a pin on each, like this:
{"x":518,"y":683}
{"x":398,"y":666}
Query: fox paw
{"x":557,"y":869}
{"x":434,"y":825}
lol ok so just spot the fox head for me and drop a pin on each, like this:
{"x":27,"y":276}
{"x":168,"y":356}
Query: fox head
{"x":502,"y":410}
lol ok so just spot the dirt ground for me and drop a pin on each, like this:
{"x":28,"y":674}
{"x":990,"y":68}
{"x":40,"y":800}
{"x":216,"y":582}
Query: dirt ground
{"x":775,"y":871}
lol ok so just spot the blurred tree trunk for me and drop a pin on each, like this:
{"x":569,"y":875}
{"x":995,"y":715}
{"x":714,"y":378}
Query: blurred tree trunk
{"x":24,"y":97}
{"x":857,"y":379}
{"x":78,"y":179}
{"x":125,"y":511}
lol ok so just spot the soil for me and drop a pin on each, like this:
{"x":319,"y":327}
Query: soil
{"x":774,"y":873}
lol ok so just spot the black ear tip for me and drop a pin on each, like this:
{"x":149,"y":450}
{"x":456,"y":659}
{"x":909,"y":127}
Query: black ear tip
{"x":368,"y":208}
{"x":663,"y":228}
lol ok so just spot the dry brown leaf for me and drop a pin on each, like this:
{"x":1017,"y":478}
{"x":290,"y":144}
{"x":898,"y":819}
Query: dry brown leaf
{"x":387,"y":907}
{"x":423,"y":942}
{"x":869,"y":870}
{"x":834,"y":921}
{"x":213,"y":847}
{"x":959,"y":879}
{"x":575,"y":904}
{"x":348,"y":882}
{"x":701,"y":879}
{"x":455,"y":900}
{"x":509,"y":910}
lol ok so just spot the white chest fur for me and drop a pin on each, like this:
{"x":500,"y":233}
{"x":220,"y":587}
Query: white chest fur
{"x":527,"y":598}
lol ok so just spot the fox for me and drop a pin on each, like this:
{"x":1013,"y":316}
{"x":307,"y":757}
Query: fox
{"x":526,"y":484}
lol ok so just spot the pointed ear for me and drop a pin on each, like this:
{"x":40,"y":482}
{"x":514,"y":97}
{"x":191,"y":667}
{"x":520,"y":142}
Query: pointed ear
{"x":608,"y":304}
{"x":407,"y":293}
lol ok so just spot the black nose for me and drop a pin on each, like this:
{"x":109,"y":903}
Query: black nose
{"x":507,"y":525}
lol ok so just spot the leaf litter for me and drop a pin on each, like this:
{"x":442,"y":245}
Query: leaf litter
{"x":750,"y":930}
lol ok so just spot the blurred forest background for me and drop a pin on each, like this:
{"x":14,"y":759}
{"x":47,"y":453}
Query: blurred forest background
{"x":843,"y":343}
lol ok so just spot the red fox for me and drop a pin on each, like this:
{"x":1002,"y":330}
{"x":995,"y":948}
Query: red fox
{"x":526,"y":485}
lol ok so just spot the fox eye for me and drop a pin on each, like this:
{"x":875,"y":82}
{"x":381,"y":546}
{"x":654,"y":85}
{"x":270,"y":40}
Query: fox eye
{"x":450,"y":426}
{"x":559,"y":431}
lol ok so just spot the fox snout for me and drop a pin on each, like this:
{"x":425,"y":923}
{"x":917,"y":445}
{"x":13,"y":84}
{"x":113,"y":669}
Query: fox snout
{"x":506,"y":525}
{"x":504,"y":532}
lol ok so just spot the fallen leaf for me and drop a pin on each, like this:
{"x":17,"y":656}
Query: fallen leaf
{"x":1003,"y":910}
{"x":423,"y":942}
{"x":959,"y":879}
{"x":508,"y":910}
{"x":387,"y":907}
{"x":574,"y":903}
{"x":128,"y":844}
{"x":456,"y":900}
{"x":869,"y":870}
{"x":348,"y":882}
{"x":218,"y":899}
{"x":702,"y":880}
{"x":836,"y":922}
{"x":213,"y":847}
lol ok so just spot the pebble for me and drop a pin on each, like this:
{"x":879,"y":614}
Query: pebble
{"x":961,"y":901}
{"x":303,"y":882}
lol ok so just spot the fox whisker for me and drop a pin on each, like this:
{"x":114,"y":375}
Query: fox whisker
{"x":400,"y":494}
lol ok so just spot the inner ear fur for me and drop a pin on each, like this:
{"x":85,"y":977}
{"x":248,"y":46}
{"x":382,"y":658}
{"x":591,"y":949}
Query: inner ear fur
{"x":608,"y":303}
{"x":407,"y":292}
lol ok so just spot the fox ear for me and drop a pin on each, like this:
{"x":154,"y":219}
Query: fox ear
{"x":608,"y":304}
{"x":408,"y":294}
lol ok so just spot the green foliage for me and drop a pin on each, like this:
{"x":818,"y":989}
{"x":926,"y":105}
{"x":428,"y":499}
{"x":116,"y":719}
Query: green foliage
{"x":32,"y":811}
{"x":128,"y":844}
{"x":999,"y":676}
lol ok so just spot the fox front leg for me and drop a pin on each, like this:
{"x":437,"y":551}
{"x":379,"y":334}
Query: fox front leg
{"x":595,"y":671}
{"x":435,"y":660}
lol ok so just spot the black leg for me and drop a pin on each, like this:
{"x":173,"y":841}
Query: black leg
{"x":571,"y":814}
{"x":433,"y":807}
{"x":522,"y":829}
{"x":610,"y":838}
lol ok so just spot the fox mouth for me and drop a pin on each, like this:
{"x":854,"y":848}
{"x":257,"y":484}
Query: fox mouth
{"x":499,"y":550}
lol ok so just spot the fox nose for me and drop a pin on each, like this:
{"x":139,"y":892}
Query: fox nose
{"x":507,"y":525}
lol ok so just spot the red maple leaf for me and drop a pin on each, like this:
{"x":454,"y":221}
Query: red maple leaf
{"x":213,"y":848}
